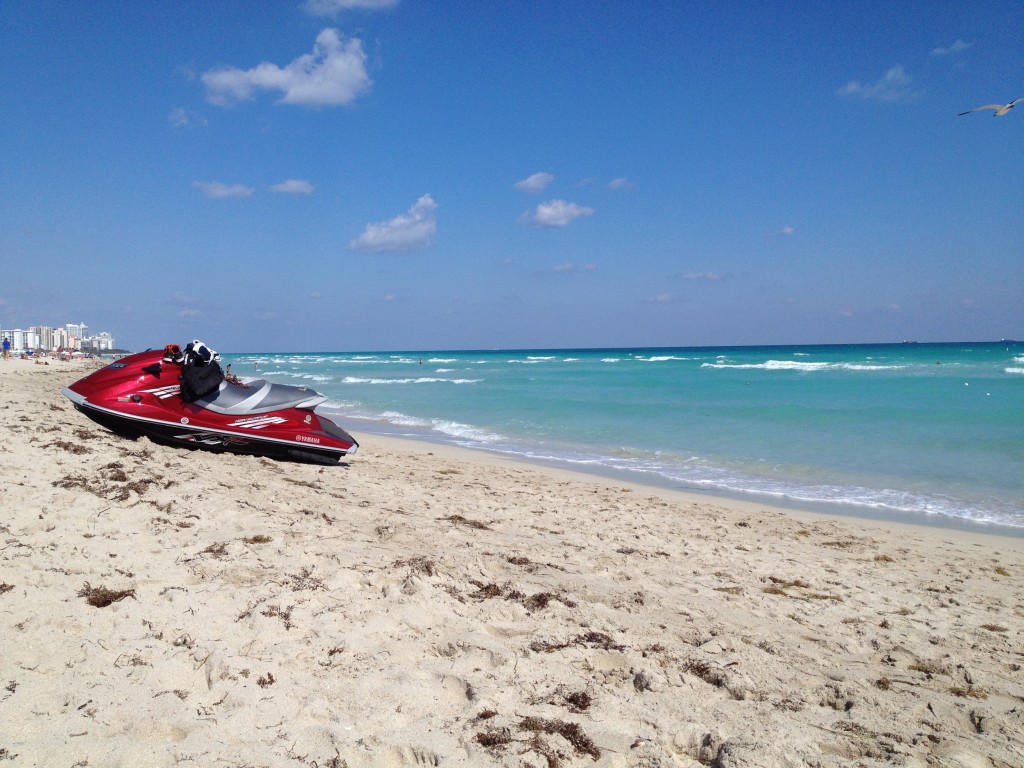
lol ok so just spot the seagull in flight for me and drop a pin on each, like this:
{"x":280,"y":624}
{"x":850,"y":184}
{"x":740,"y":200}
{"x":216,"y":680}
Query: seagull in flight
{"x":1001,"y":109}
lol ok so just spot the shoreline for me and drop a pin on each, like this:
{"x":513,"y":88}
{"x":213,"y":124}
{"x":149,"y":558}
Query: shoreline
{"x":837,"y":510}
{"x":422,"y":604}
{"x":734,"y":501}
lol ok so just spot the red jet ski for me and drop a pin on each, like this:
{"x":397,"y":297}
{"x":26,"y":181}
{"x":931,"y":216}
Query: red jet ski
{"x":142,"y":395}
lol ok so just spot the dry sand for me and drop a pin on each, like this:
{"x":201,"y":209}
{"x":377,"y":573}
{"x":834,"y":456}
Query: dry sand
{"x":421,"y":606}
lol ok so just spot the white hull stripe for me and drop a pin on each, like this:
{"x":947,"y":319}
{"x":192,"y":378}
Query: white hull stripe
{"x":258,"y":423}
{"x":164,"y":392}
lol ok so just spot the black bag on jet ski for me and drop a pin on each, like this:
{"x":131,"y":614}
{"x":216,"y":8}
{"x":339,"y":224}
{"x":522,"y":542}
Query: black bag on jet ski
{"x":200,"y":371}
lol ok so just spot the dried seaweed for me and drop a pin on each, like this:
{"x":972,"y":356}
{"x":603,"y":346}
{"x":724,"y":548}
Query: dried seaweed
{"x":968,"y":692}
{"x":574,"y":701}
{"x":275,"y":612}
{"x":110,"y":483}
{"x":305,"y":579}
{"x":418,"y":564}
{"x":571,"y":732}
{"x":216,"y":550}
{"x":590,"y":640}
{"x":267,"y":680}
{"x":494,"y":737}
{"x":578,"y":701}
{"x":101,"y":597}
{"x":531,"y":732}
{"x":460,"y":520}
{"x":707,"y":671}
{"x":535,"y":602}
{"x":76,"y":448}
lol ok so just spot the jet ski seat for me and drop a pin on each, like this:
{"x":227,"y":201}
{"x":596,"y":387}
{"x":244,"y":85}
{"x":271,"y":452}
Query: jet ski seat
{"x":259,"y":396}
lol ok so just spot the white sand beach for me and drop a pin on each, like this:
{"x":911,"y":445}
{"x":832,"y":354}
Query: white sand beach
{"x":420,"y":605}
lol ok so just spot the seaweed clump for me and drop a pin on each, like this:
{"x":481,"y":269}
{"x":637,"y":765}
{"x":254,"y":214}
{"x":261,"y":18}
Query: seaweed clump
{"x":101,"y":597}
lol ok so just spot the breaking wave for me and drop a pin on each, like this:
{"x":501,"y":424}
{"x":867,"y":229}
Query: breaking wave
{"x":798,"y":365}
{"x":418,"y":380}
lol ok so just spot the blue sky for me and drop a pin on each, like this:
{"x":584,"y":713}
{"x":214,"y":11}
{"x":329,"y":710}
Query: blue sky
{"x":360,"y":175}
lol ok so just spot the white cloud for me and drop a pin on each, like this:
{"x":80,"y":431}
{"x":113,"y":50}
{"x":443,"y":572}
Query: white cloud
{"x":556,"y":213}
{"x":894,"y":85}
{"x":334,"y":7}
{"x":661,"y":298}
{"x":293,"y":187}
{"x":178,"y":117}
{"x":183,"y":298}
{"x":535,"y":183}
{"x":219,"y":190}
{"x":956,"y":47}
{"x":333,"y":74}
{"x":709,"y":276}
{"x":568,"y":268}
{"x":406,"y":232}
{"x":620,"y":183}
{"x":182,"y":118}
{"x":787,"y":230}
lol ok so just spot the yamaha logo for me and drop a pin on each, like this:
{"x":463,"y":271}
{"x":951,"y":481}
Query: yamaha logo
{"x":184,"y":419}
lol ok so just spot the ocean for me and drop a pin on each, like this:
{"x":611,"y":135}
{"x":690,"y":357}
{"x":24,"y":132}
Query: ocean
{"x":919,"y":432}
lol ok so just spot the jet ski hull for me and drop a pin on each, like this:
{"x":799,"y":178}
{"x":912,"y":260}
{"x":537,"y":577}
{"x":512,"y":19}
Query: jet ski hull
{"x":140,"y":395}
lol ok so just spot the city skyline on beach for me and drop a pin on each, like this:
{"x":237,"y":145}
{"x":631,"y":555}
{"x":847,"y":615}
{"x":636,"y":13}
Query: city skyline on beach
{"x":70,"y":336}
{"x":386,"y":175}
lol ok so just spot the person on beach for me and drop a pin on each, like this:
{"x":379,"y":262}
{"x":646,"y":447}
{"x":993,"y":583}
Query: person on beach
{"x":7,"y":348}
{"x":229,"y":376}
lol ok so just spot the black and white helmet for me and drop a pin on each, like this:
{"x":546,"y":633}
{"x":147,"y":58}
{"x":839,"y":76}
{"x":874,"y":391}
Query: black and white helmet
{"x":199,"y":353}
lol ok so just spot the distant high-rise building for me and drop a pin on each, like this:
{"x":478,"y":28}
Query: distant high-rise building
{"x":45,"y":334}
{"x":81,"y":330}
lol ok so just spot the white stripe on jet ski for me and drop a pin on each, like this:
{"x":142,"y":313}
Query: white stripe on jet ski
{"x":164,"y":392}
{"x":258,"y":423}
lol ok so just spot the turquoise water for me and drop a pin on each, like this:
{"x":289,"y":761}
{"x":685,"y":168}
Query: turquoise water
{"x":909,"y":429}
